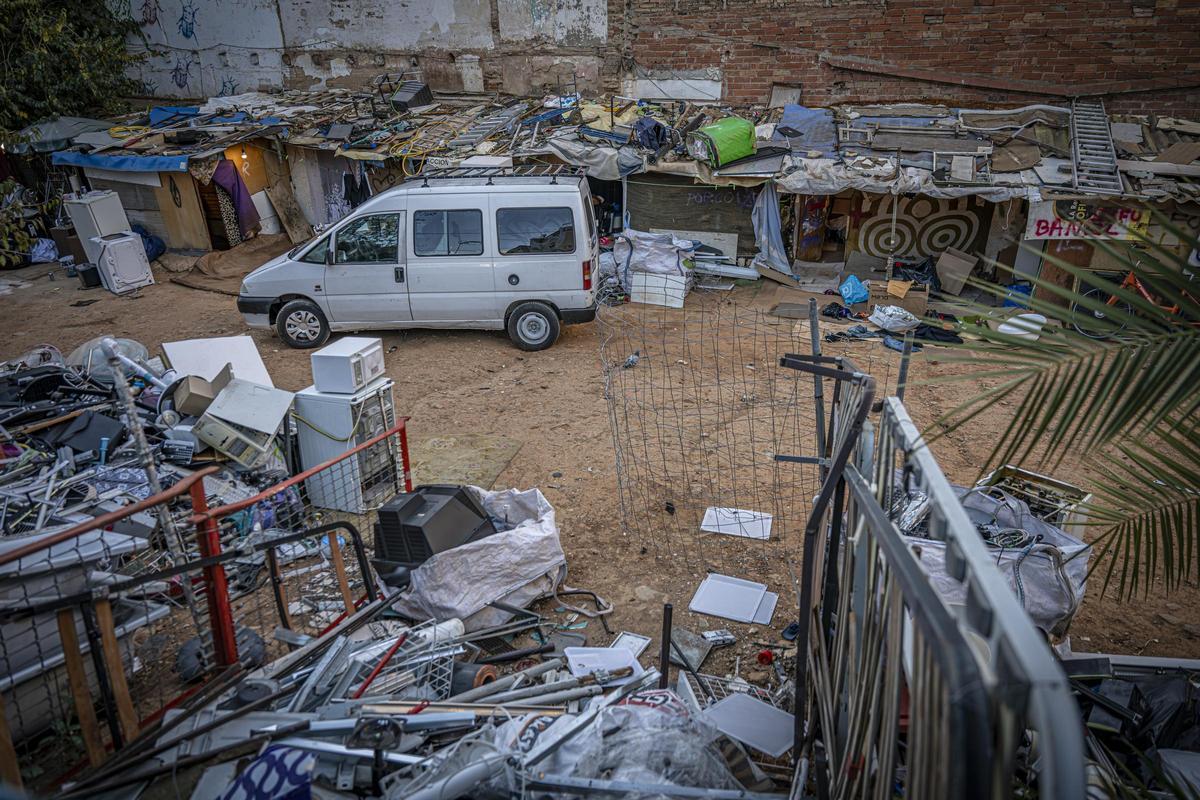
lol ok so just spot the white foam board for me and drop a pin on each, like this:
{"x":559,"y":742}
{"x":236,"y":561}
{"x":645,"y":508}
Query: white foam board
{"x":204,"y":358}
{"x":734,"y":598}
{"x":737,"y":522}
{"x":753,"y":722}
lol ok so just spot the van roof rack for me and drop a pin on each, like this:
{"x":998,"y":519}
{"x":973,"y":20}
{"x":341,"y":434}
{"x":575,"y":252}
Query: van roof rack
{"x":551,"y":171}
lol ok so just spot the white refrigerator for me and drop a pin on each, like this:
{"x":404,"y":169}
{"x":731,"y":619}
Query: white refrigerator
{"x":330,"y":424}
{"x":96,"y":214}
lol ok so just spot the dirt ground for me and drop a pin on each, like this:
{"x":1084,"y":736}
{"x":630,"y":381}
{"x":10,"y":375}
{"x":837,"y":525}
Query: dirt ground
{"x":550,"y":406}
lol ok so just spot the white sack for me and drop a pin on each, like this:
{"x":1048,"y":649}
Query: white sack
{"x":515,"y":566}
{"x":893,"y":319}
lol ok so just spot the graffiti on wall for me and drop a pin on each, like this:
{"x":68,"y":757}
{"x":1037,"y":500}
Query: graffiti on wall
{"x":923,"y":226}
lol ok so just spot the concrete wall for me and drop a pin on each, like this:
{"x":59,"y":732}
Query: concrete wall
{"x":205,"y":47}
{"x":212,"y":47}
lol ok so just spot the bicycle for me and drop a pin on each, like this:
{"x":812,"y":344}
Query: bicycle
{"x":1096,"y":324}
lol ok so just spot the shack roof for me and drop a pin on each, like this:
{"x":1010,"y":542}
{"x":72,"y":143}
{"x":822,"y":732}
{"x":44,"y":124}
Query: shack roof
{"x":933,"y":150}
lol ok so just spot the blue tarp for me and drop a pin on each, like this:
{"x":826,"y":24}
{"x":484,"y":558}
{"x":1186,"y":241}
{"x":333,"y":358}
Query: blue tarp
{"x":161,"y":114}
{"x":122,"y":163}
{"x":816,"y":127}
{"x":172,"y":115}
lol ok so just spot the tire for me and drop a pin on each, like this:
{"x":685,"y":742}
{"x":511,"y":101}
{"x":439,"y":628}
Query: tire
{"x":301,"y":324}
{"x":1096,"y":324}
{"x":533,"y":326}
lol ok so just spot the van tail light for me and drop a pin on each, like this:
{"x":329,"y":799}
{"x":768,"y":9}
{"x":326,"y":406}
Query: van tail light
{"x":587,"y":274}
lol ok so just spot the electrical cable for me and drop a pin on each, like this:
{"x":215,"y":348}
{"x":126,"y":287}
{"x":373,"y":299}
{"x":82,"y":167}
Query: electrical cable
{"x":128,"y":131}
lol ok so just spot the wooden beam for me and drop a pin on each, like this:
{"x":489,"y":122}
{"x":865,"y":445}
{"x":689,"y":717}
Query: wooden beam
{"x":89,"y":728}
{"x":339,"y":568}
{"x":1160,"y":168}
{"x":116,"y":670}
{"x":10,"y":770}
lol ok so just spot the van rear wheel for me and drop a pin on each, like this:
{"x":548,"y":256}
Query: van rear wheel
{"x":533,"y":326}
{"x":301,"y":324}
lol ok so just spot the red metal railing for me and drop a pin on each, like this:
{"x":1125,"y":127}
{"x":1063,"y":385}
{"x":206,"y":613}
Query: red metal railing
{"x":210,"y":572}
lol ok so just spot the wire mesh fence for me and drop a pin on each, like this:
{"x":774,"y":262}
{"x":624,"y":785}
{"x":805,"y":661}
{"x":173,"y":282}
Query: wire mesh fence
{"x":704,"y":420}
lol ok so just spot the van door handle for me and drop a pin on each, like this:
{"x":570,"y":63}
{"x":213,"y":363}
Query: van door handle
{"x":399,"y":274}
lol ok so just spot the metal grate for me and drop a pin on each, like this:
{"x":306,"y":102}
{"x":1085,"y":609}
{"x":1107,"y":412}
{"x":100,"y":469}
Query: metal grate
{"x":1092,"y":149}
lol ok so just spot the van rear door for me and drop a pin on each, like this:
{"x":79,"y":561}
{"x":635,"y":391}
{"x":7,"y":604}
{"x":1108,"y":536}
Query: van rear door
{"x":540,"y":245}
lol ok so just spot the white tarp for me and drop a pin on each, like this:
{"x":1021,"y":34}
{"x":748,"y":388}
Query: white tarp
{"x":514,"y":566}
{"x":657,"y":253}
{"x":599,"y":161}
{"x":829,"y":176}
{"x":767,"y":231}
{"x":1048,"y":577}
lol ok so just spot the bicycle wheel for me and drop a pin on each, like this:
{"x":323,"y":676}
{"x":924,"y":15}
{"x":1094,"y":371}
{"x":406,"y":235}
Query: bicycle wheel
{"x":1099,"y":324}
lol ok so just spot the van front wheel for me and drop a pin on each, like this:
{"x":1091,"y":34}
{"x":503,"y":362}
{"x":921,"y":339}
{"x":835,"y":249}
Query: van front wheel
{"x":533,"y":326}
{"x":301,"y":324}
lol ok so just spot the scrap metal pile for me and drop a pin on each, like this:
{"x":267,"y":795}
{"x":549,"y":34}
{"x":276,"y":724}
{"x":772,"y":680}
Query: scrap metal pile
{"x":201,"y":616}
{"x":378,"y":707}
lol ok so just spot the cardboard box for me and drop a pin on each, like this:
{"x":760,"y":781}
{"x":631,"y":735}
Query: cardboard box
{"x":953,"y":269}
{"x":915,"y":301}
{"x":194,"y":395}
{"x":68,"y":244}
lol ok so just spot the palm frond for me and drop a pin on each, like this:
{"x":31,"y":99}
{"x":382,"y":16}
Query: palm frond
{"x":1092,"y":392}
{"x":1129,"y":404}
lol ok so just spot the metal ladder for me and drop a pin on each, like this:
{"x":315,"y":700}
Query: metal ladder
{"x":505,"y":118}
{"x":1092,"y":149}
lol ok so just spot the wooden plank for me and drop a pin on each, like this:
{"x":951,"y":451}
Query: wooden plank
{"x":182,"y":216}
{"x":791,"y":310}
{"x":1159,"y":168}
{"x":252,"y":168}
{"x":777,"y":276}
{"x":10,"y":769}
{"x":339,"y":568}
{"x":1179,"y":153}
{"x":921,"y":142}
{"x":1073,"y":251}
{"x":89,"y":729}
{"x":116,"y":670}
{"x":283,"y":197}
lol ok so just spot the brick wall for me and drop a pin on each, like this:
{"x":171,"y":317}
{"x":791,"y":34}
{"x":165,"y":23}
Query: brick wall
{"x":1142,"y":55}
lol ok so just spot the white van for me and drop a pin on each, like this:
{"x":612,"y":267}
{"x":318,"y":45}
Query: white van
{"x":487,"y":248}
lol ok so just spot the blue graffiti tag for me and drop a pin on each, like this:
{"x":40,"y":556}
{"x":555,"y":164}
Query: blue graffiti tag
{"x":180,"y":75}
{"x":150,"y":11}
{"x":187,"y":21}
{"x":228,"y":86}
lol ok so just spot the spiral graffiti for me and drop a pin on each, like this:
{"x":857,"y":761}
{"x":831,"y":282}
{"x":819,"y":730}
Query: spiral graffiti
{"x":924,"y":226}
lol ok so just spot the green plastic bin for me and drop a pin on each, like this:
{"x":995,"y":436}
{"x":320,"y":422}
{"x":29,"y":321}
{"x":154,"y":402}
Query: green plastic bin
{"x":722,"y":142}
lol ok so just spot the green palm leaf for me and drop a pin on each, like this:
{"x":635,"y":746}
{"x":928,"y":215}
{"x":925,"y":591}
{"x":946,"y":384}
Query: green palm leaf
{"x":1129,"y":402}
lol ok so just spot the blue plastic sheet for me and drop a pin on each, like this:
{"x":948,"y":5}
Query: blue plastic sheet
{"x":853,"y":291}
{"x":767,"y":230}
{"x":816,"y":127}
{"x":171,"y":114}
{"x":122,"y":163}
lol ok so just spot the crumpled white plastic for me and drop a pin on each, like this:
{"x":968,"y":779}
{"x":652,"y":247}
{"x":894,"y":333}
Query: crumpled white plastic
{"x":894,"y":319}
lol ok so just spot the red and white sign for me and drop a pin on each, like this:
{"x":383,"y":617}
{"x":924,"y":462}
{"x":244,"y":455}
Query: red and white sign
{"x":1077,"y":219}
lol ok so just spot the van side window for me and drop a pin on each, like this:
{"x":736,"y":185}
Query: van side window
{"x":370,"y":240}
{"x":448,"y":233}
{"x":535,"y":230}
{"x":317,"y":254}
